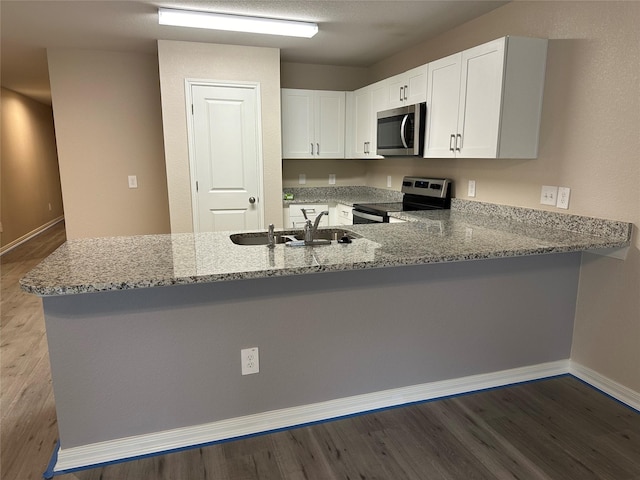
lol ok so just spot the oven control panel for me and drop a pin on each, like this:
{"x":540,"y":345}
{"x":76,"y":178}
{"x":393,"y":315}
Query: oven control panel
{"x":428,"y":187}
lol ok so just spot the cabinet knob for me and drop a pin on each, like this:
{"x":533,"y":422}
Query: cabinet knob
{"x":252,"y":200}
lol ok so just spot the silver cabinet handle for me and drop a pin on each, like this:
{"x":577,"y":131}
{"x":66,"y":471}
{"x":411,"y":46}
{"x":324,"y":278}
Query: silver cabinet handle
{"x":252,"y":200}
{"x":405,"y":91}
{"x":311,"y":148}
{"x":317,"y":149}
{"x":458,"y":145}
{"x":451,"y":140}
{"x":401,"y":93}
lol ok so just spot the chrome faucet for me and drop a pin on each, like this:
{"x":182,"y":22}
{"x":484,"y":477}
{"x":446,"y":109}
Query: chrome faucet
{"x":311,"y":229}
{"x":271,"y":236}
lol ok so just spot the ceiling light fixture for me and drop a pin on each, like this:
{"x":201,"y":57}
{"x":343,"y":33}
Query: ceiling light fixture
{"x":236,"y":23}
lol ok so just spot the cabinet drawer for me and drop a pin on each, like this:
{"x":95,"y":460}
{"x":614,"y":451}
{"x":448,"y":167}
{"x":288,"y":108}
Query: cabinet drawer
{"x":295,"y":210}
{"x":344,"y":214}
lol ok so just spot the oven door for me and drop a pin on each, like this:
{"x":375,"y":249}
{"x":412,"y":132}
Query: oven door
{"x":365,"y":217}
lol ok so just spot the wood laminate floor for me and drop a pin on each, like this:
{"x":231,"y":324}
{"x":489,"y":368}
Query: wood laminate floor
{"x":558,"y":429}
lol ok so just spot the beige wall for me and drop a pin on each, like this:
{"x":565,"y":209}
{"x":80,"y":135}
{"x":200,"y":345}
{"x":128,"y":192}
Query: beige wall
{"x":347,"y":172}
{"x":29,"y":181}
{"x":589,"y":142}
{"x":181,"y":60}
{"x":108,"y":125}
{"x":322,"y":77}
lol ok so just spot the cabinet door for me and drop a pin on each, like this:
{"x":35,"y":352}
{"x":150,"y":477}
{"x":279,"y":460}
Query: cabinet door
{"x":443,"y":96}
{"x":298,"y":136}
{"x":416,"y":85}
{"x":481,"y":100}
{"x":396,"y":90}
{"x":379,"y":103}
{"x":408,"y":88}
{"x":329,"y":124}
{"x":362,"y":112}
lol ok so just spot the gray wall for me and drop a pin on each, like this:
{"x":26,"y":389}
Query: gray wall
{"x":134,"y":362}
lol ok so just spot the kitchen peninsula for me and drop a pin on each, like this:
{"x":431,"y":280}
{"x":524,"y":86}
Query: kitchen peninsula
{"x":145,"y":332}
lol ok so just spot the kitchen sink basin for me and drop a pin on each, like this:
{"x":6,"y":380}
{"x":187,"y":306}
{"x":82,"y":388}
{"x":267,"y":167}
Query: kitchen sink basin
{"x":261,"y":238}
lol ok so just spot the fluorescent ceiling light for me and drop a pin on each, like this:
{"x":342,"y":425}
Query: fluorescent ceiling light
{"x":236,"y":23}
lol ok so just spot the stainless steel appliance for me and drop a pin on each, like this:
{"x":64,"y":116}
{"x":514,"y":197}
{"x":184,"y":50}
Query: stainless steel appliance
{"x":400,"y":131}
{"x":419,"y":194}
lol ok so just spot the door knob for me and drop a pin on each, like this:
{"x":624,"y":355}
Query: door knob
{"x":252,"y":200}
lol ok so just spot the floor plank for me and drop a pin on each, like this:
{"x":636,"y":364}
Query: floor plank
{"x":554,"y":429}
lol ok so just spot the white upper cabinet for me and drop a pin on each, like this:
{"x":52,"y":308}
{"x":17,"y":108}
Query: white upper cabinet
{"x":313,"y":123}
{"x":486,"y":102}
{"x":362,"y":106}
{"x":408,"y":88}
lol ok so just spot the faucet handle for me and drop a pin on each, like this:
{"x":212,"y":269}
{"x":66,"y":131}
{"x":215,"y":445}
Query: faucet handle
{"x":304,"y":213}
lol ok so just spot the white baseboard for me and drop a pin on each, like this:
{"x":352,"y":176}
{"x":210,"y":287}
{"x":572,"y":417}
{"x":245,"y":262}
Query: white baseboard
{"x":608,"y":386}
{"x":84,"y":456}
{"x":25,"y":238}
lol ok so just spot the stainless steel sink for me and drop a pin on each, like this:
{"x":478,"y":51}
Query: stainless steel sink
{"x":260,"y":238}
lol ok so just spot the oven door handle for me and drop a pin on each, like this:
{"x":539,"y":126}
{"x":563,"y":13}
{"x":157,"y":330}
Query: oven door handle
{"x":368,"y":216}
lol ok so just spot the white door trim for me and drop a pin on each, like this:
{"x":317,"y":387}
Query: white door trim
{"x":189,"y":83}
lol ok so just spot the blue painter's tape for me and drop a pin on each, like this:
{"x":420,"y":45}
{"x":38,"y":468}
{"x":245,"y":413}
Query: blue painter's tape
{"x":49,"y":473}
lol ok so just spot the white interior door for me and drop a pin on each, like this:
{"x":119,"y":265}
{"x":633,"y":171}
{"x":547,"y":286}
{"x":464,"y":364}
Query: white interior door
{"x":226,"y":158}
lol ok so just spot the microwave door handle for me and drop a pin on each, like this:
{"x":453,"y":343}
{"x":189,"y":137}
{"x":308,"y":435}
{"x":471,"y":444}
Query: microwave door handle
{"x":402,"y":130}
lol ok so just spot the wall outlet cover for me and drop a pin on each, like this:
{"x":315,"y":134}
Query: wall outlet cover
{"x":250,"y":360}
{"x":302,"y":179}
{"x":563,"y":197}
{"x":332,"y":179}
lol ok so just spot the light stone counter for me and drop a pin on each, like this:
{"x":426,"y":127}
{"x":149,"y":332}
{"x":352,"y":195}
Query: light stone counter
{"x":466,"y":232}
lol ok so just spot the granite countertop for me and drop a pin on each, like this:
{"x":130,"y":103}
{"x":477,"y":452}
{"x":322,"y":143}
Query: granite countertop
{"x":470,"y":231}
{"x":341,"y":194}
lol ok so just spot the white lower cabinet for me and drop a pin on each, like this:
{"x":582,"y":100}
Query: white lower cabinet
{"x":343,"y":215}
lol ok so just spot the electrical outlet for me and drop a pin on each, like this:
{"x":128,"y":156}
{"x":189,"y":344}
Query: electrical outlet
{"x":332,"y":179}
{"x":302,"y":179}
{"x":388,"y":181}
{"x":250,"y":360}
{"x":563,"y":197}
{"x":548,"y":195}
{"x":133,"y":181}
{"x":471,"y":192}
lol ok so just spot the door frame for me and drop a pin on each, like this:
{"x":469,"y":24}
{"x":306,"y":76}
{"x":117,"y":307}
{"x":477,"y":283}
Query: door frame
{"x":189,"y":83}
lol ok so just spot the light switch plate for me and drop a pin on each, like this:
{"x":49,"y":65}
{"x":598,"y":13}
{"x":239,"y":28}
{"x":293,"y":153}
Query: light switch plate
{"x":302,"y":179}
{"x":133,"y":181}
{"x":471,"y":192}
{"x":548,"y":195}
{"x":388,"y":181}
{"x":332,"y":179}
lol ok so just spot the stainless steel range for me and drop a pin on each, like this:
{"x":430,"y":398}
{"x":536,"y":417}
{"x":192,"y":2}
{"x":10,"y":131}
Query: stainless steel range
{"x":419,"y":194}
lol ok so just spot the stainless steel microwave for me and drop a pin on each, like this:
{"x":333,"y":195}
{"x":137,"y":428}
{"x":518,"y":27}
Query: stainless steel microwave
{"x":400,"y":131}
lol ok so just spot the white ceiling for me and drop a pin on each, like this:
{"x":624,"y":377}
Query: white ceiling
{"x":352,"y":32}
